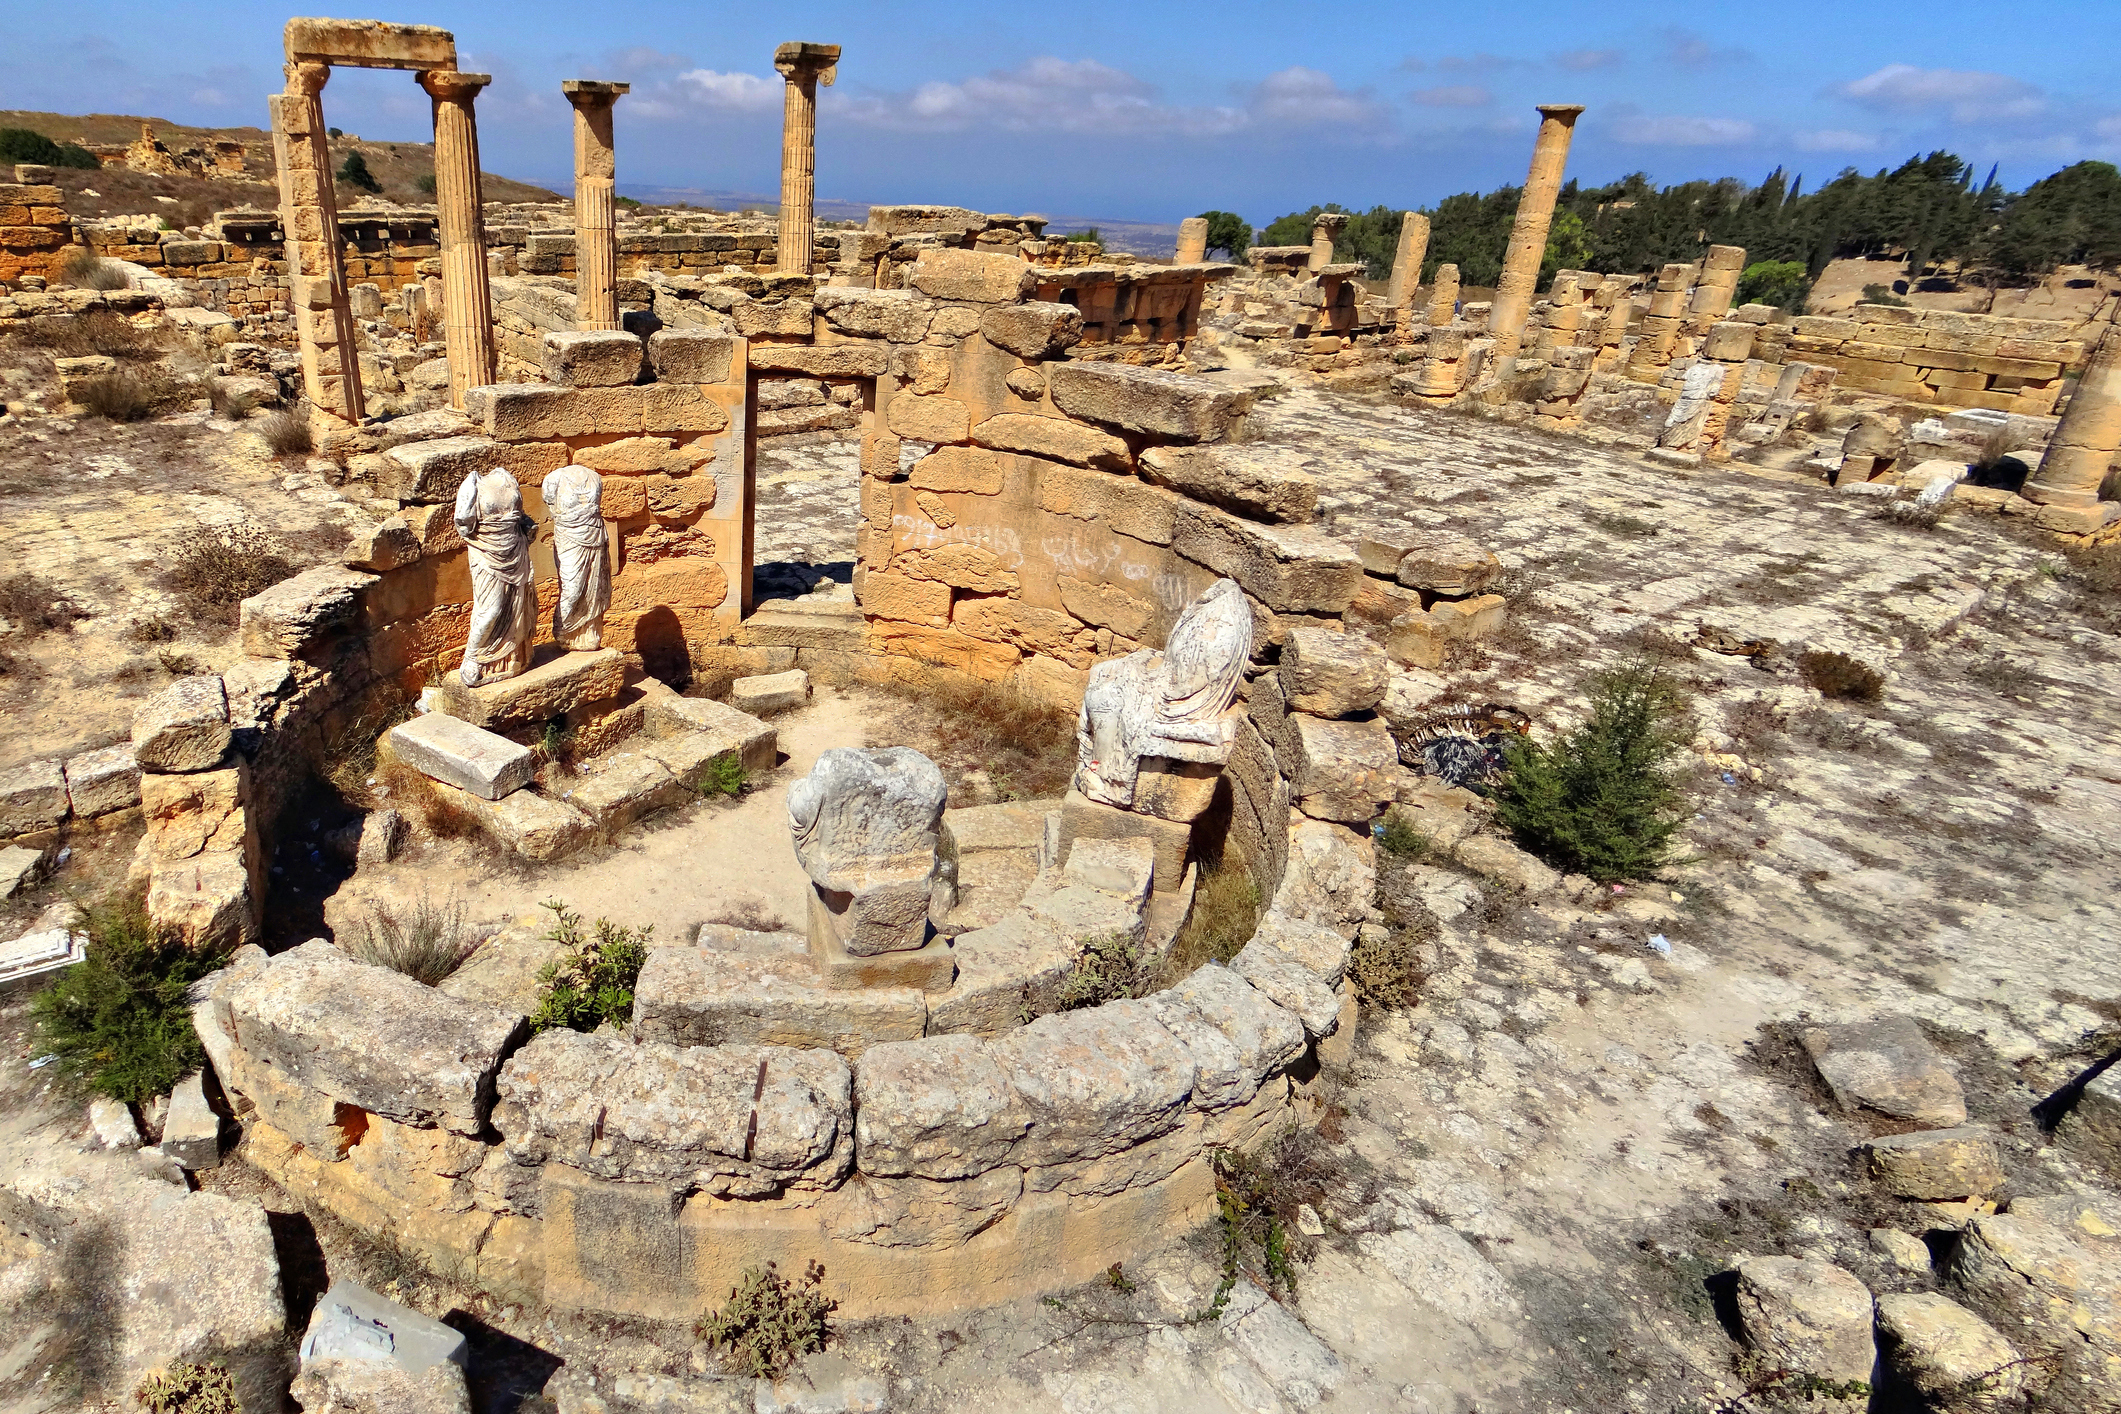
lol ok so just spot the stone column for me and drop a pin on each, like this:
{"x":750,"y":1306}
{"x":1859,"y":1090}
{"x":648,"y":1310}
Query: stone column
{"x":467,"y":302}
{"x":316,"y":277}
{"x":2082,"y":450}
{"x":1528,"y":237}
{"x":1192,"y":241}
{"x":1323,"y":230}
{"x":1443,"y":300}
{"x":804,"y":66}
{"x":1406,"y":265}
{"x":596,"y":243}
{"x":1718,"y":286}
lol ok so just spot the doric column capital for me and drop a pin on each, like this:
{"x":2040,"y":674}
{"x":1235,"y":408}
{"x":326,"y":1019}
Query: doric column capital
{"x":449,"y":86}
{"x":797,"y":60}
{"x":1562,"y":112}
{"x":1329,"y":221}
{"x":590,"y":94}
{"x":307,"y":77}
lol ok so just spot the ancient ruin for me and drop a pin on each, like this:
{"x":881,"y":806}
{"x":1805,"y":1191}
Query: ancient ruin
{"x":1047,"y":774}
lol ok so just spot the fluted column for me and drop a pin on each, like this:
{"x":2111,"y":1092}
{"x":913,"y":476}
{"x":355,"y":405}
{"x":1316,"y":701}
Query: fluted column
{"x":1192,"y":241}
{"x":467,"y":302}
{"x":309,"y":214}
{"x":1324,"y":227}
{"x":1528,"y":237}
{"x":2082,"y":450}
{"x":596,"y":242}
{"x":804,"y":66}
{"x":1406,"y":265}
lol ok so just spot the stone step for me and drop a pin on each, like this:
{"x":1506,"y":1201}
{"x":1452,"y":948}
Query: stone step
{"x":560,"y":683}
{"x":459,"y":754}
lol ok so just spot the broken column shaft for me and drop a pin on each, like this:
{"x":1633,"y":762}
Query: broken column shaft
{"x":1528,"y":237}
{"x":1406,"y":265}
{"x":2082,"y":449}
{"x":596,"y":244}
{"x":309,"y":210}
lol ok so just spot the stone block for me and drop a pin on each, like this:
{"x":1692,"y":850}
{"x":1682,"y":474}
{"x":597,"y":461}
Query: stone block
{"x":1012,"y":965}
{"x":352,"y":1323}
{"x":182,"y":728}
{"x":455,"y":752}
{"x":671,"y":716}
{"x":1260,"y":481}
{"x":1094,"y":1082}
{"x":1331,"y":674}
{"x":372,"y":1037}
{"x":691,"y":355}
{"x":1947,"y":1356}
{"x":1319,"y":949}
{"x":738,"y":1121}
{"x":887,"y":913}
{"x":1055,"y":438}
{"x":1887,"y":1065}
{"x":112,"y":1123}
{"x":1176,"y":406}
{"x":1083,"y":818}
{"x":1122,"y":867}
{"x":99,"y":782}
{"x":1935,"y":1164}
{"x":430,"y":473}
{"x":191,"y":1132}
{"x":562,"y":683}
{"x":295,"y":614}
{"x":33,"y":797}
{"x":935,"y":418}
{"x":1438,"y":562}
{"x":592,"y":358}
{"x":1806,"y":1316}
{"x":2093,"y":1123}
{"x":619,"y":787}
{"x":864,"y":360}
{"x":207,"y":899}
{"x":927,"y":968}
{"x":770,"y":692}
{"x":370,"y":44}
{"x":940,"y":1108}
{"x":1179,"y":791}
{"x":1289,"y":569}
{"x":972,"y":276}
{"x":1263,"y":1037}
{"x":1340,"y":770}
{"x":532,"y":825}
{"x":899,"y":316}
{"x":22,"y":869}
{"x":1505,"y":863}
{"x":1033,"y":330}
{"x":702,"y":996}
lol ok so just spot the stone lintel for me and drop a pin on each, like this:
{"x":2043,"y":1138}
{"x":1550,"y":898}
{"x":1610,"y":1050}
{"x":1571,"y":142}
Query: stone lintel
{"x":370,"y":44}
{"x":562,"y":683}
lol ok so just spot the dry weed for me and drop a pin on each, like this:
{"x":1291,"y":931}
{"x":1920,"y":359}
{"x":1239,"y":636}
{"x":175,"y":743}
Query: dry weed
{"x":34,"y":605}
{"x":1226,"y":906}
{"x":215,"y":569}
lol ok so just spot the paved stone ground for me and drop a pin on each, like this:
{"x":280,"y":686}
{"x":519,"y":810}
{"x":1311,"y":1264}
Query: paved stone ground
{"x":808,"y":509}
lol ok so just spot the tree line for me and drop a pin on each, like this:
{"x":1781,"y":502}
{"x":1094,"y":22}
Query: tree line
{"x":1930,"y":208}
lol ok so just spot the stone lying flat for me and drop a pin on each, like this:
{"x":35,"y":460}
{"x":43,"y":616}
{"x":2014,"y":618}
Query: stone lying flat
{"x":533,"y":825}
{"x":353,"y":1323}
{"x":457,"y":753}
{"x":553,"y":688}
{"x":592,"y":358}
{"x":184,"y":727}
{"x":1086,"y":914}
{"x":1016,"y":964}
{"x":372,"y":1037}
{"x":1331,"y":674}
{"x":1121,"y":867}
{"x":928,"y":967}
{"x":293,"y":615}
{"x":503,"y":971}
{"x":701,"y":996}
{"x":1254,"y":479}
{"x":1266,"y":1036}
{"x":1322,"y":950}
{"x":940,"y":1108}
{"x":618,"y":788}
{"x":1936,"y":1163}
{"x":1290,"y":986}
{"x":22,"y":869}
{"x":1947,"y":1354}
{"x":739,"y":1120}
{"x":990,"y":885}
{"x":668,"y":715}
{"x":771,"y":692}
{"x":1177,"y":406}
{"x":1095,"y":1082}
{"x":1288,"y":568}
{"x":1086,"y":819}
{"x":1887,"y":1065}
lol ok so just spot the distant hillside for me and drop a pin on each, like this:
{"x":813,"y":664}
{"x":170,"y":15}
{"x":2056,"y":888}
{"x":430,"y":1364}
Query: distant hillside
{"x":188,"y":200}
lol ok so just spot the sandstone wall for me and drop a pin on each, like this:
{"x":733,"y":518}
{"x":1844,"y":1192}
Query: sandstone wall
{"x":1953,"y":360}
{"x":35,"y":230}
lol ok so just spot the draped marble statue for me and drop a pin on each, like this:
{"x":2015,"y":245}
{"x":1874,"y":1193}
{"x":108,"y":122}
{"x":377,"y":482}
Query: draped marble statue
{"x":1172,"y":704}
{"x":504,"y":602}
{"x":574,"y":495}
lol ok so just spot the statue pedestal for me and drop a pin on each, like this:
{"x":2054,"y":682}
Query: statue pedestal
{"x":559,"y":685}
{"x":1085,"y":819}
{"x":930,"y":967}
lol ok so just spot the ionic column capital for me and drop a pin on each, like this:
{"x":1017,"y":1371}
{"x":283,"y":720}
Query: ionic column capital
{"x":797,"y":61}
{"x":449,"y":86}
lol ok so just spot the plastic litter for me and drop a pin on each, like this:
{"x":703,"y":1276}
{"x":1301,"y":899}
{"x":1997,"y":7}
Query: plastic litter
{"x":1660,"y":945}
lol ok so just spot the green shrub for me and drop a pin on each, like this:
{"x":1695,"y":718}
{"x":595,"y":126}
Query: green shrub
{"x":354,"y":172}
{"x":1601,"y":800}
{"x":426,"y":184}
{"x":425,"y":941}
{"x":1088,"y":234}
{"x":1385,"y":966}
{"x":592,"y":982}
{"x":118,"y":1020}
{"x":769,"y":1320}
{"x":1399,"y":836}
{"x":1782,"y":283}
{"x":1840,"y":676}
{"x":22,"y":145}
{"x":1882,"y":294}
{"x":724,"y":776}
{"x":190,"y":1389}
{"x":1107,"y":969}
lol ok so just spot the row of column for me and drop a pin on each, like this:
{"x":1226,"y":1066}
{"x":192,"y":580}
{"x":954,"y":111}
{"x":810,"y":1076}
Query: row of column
{"x":324,"y":322}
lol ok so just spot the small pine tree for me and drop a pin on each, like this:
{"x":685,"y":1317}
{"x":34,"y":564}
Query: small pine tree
{"x":354,"y":172}
{"x":1228,"y":232}
{"x":1602,"y":800}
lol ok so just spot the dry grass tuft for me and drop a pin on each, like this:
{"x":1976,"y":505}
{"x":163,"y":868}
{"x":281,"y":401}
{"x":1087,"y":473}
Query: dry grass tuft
{"x":1226,"y":908}
{"x":287,"y":434}
{"x":216,"y":568}
{"x":86,"y":270}
{"x":347,"y":756}
{"x":35,"y":606}
{"x":121,"y":396}
{"x":425,"y":940}
{"x":414,"y":792}
{"x":1837,"y":675}
{"x":1027,"y":747}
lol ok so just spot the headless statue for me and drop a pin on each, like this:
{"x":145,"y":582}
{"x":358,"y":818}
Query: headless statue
{"x":504,"y":603}
{"x":1167,"y":704}
{"x":574,"y":496}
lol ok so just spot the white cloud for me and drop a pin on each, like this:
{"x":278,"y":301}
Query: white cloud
{"x":1050,"y":94}
{"x":1583,"y":59}
{"x":1464,"y":95}
{"x":1838,"y":140}
{"x":1685,"y":132}
{"x":731,"y":92}
{"x":1689,"y":50}
{"x":1969,"y":95}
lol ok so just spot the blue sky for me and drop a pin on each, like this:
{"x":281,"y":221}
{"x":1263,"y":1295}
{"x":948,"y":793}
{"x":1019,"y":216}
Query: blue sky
{"x":1151,"y":110}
